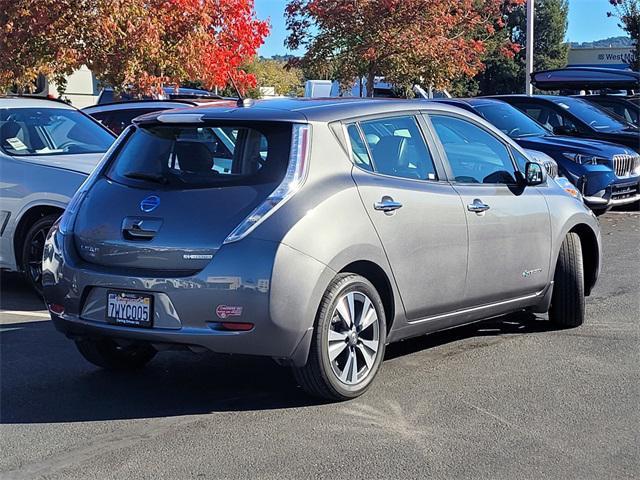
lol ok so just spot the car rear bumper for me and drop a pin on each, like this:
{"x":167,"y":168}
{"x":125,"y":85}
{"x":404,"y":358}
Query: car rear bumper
{"x":244,"y":274}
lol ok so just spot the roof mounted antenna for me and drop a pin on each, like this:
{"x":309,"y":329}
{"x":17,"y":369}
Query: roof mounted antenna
{"x":242,"y":102}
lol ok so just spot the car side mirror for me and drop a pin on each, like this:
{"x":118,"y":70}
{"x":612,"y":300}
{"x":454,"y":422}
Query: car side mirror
{"x":534,"y":173}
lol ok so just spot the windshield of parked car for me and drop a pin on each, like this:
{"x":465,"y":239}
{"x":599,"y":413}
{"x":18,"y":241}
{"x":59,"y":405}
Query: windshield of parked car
{"x":510,"y":120}
{"x":593,"y":116}
{"x":203,"y":156}
{"x":50,"y":131}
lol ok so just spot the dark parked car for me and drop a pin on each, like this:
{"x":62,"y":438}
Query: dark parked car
{"x":341,"y":226}
{"x":577,"y":118}
{"x":607,"y":174}
{"x":108,"y":95}
{"x":118,"y":115}
{"x":618,"y":105}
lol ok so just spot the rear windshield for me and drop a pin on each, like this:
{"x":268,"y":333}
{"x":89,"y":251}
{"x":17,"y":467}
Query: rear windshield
{"x":50,"y":131}
{"x":204,"y":156}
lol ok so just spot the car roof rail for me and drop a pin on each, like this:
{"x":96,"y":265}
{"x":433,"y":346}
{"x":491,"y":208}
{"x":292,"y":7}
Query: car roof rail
{"x":36,"y":97}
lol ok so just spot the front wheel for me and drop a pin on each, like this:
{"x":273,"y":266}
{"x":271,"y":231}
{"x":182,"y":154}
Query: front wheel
{"x":349,"y":340}
{"x":567,"y":303}
{"x":107,"y":354}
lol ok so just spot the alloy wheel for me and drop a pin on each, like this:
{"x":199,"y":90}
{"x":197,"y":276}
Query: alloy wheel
{"x":354,"y":338}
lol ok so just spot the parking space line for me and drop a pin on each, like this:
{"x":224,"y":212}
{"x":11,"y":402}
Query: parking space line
{"x":37,"y":314}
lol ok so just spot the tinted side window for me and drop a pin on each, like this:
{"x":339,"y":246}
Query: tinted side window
{"x":358,"y":148}
{"x":398,"y":148}
{"x":474,"y":155}
{"x":547,"y":116}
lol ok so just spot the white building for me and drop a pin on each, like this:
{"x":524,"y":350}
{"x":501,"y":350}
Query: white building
{"x":606,"y":57}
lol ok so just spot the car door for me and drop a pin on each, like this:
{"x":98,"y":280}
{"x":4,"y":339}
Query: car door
{"x":418,"y":217}
{"x":508,"y":224}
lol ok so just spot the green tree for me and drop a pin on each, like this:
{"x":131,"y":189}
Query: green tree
{"x":628,"y":14}
{"x":406,"y":41}
{"x":286,"y":80}
{"x":506,"y":73}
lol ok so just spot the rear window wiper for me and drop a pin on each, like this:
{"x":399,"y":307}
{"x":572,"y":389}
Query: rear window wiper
{"x":152,"y":177}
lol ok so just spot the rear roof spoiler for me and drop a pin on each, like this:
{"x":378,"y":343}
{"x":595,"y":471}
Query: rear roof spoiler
{"x":586,"y":78}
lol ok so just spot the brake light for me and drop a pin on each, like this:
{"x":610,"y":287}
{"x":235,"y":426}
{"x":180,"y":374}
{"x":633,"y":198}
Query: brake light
{"x":293,"y":180}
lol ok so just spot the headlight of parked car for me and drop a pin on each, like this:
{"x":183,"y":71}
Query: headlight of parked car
{"x":586,"y":159}
{"x":569,"y":187}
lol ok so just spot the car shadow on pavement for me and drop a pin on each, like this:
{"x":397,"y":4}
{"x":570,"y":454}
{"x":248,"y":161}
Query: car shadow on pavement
{"x":16,"y":294}
{"x":43,"y":379}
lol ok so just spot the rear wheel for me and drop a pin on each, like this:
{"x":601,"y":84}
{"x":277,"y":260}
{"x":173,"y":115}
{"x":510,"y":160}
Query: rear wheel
{"x":567,"y":303}
{"x":349,"y":340}
{"x":106,"y":353}
{"x":32,"y":248}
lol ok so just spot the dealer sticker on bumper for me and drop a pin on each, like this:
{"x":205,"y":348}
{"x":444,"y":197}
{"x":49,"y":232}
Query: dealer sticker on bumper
{"x":226,"y":311}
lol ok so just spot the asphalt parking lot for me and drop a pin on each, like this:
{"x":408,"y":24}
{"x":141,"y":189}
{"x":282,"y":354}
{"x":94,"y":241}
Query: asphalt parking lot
{"x":507,"y":398}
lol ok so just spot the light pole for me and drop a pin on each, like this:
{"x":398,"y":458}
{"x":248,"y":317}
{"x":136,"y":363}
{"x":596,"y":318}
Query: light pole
{"x":528,"y":88}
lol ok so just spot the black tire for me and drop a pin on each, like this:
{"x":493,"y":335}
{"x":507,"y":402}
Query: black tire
{"x":567,"y":303}
{"x":318,"y":377}
{"x":107,"y":354}
{"x":32,"y":248}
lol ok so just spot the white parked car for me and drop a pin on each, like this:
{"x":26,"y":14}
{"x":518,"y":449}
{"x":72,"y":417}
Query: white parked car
{"x":47,"y":149}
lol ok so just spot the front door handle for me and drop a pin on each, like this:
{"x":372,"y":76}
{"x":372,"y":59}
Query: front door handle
{"x":478,"y":206}
{"x":387,"y":205}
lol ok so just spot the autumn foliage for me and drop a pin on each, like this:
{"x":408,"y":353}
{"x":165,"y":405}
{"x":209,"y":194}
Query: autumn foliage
{"x":138,"y":45}
{"x":40,"y":37}
{"x":435,"y":41}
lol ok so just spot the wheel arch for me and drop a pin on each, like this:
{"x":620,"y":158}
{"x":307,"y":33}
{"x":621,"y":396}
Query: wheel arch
{"x":380,"y":280}
{"x":590,"y":254}
{"x":28,"y":217}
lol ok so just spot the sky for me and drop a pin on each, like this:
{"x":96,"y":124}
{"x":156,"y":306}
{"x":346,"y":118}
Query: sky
{"x":587,"y":22}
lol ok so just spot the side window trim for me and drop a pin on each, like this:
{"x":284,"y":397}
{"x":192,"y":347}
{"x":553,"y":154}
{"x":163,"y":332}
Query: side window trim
{"x":363,"y":138}
{"x":429,"y":113}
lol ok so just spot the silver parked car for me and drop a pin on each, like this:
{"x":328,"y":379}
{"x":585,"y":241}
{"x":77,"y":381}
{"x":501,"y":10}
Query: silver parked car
{"x":47,"y":149}
{"x":314,"y":232}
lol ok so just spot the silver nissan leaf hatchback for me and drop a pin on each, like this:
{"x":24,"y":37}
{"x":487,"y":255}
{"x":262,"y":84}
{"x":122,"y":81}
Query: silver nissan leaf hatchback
{"x":314,"y":232}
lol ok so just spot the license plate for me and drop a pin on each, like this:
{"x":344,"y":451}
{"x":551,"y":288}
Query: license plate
{"x":130,"y":308}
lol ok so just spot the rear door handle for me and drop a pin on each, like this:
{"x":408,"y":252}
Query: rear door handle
{"x":478,"y":206}
{"x":387,"y":204}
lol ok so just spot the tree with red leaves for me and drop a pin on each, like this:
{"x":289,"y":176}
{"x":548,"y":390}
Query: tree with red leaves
{"x":435,"y":41}
{"x":141,"y":45}
{"x":137,"y":45}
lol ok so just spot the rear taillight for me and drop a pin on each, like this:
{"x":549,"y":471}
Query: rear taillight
{"x":293,"y":180}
